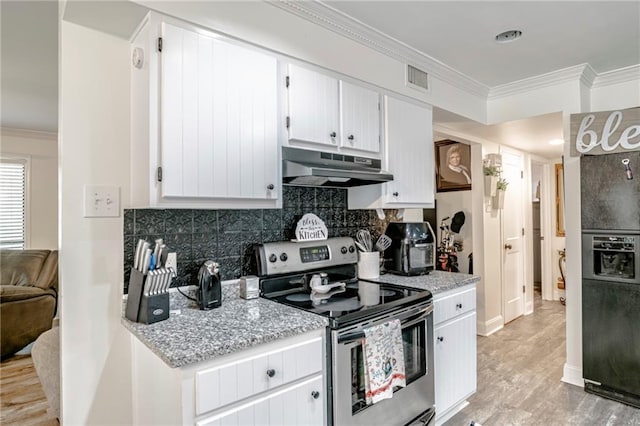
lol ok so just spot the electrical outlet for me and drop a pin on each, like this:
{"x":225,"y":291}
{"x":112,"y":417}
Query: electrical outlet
{"x":172,"y":262}
{"x":101,"y":201}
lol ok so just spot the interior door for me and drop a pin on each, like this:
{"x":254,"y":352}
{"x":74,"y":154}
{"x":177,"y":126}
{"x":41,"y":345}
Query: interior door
{"x":513,"y":284}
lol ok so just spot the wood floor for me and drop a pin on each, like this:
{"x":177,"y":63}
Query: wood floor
{"x":22,"y":400}
{"x":519,"y":372}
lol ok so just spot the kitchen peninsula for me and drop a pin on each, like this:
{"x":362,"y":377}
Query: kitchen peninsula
{"x":204,"y":367}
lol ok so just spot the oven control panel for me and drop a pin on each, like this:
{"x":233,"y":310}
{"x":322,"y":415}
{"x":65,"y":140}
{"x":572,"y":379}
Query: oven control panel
{"x":289,"y":256}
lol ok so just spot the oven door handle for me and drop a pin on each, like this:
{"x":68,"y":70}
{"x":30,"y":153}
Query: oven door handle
{"x":407,"y":321}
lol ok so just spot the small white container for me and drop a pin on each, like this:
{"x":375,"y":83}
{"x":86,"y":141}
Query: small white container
{"x":369,"y":264}
{"x":249,"y":287}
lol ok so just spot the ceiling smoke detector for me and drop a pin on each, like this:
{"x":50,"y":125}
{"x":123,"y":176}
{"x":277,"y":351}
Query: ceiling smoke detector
{"x":508,"y":36}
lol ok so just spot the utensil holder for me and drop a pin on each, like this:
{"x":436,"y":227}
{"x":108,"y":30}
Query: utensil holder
{"x":369,"y":264}
{"x":143,"y":308}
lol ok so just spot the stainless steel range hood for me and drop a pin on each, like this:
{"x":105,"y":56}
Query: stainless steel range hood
{"x":312,"y":168}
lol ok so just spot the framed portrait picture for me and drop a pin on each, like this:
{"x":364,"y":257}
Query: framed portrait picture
{"x":453,"y":166}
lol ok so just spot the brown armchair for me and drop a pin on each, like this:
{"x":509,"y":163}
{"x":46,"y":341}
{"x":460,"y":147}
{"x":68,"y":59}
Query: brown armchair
{"x":28,"y":296}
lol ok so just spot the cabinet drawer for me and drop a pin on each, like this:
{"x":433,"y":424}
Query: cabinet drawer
{"x":228,"y":383}
{"x":453,"y":305}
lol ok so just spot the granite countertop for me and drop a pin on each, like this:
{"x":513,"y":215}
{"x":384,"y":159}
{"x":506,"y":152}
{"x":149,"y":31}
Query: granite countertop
{"x":436,"y":281}
{"x":193,"y":335}
{"x":190,"y":335}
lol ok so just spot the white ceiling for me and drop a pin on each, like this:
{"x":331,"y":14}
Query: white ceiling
{"x":29,"y":34}
{"x":556,"y":35}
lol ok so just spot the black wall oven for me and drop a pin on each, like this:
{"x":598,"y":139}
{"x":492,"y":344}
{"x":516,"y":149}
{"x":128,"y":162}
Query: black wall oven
{"x":611,"y":315}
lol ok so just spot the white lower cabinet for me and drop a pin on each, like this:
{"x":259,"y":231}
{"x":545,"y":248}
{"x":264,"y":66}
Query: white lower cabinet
{"x":301,"y":404}
{"x":278,"y":383}
{"x":455,"y":350}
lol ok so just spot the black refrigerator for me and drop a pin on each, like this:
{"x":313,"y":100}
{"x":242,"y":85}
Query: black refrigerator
{"x":610,"y":213}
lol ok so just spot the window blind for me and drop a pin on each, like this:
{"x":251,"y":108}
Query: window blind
{"x":12,"y":203}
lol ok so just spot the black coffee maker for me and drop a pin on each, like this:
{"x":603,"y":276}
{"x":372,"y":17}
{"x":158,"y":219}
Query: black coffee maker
{"x":209,"y":293}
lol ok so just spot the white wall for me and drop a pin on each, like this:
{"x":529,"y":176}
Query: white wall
{"x":94,"y":149}
{"x":448,"y":204}
{"x":42,"y":150}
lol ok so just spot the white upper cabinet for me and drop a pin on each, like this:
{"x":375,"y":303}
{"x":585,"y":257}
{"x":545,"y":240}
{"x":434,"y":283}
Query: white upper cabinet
{"x":409,"y":157}
{"x":218,"y":118}
{"x":326,"y":112}
{"x":360,"y":108}
{"x":313,"y":107}
{"x":216,"y":113}
{"x":409,"y":138}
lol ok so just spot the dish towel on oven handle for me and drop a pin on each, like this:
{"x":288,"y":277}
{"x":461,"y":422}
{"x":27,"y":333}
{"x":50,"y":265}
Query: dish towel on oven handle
{"x":383,"y":361}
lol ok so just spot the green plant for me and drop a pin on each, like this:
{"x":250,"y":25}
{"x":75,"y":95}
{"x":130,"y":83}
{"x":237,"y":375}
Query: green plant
{"x":502,"y":184}
{"x":490,"y":171}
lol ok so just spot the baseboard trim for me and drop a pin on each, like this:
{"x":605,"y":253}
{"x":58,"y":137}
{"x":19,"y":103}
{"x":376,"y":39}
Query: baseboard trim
{"x":450,"y":412}
{"x":572,"y":375}
{"x":489,"y":327}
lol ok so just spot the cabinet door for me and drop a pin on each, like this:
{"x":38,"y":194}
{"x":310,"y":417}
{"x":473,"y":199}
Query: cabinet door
{"x":455,"y":361}
{"x":301,"y":404}
{"x":360,"y":112}
{"x":409,"y":142}
{"x":218,"y":118}
{"x":313,"y":107}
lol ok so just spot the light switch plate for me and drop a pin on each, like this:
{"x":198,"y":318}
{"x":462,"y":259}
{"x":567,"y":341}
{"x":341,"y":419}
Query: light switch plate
{"x":101,"y":201}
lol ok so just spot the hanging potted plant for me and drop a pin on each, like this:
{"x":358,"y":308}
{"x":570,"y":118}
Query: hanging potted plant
{"x":491,"y":174}
{"x":498,"y":199}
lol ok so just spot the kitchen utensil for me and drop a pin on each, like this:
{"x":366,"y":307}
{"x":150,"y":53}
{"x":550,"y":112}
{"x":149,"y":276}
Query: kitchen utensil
{"x":364,"y":237}
{"x":383,"y":243}
{"x":360,"y":246}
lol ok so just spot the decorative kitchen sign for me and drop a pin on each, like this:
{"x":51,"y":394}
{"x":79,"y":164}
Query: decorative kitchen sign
{"x":597,"y":133}
{"x":311,"y":228}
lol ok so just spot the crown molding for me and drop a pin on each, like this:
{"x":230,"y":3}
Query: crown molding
{"x":588,"y":76}
{"x":622,"y":75}
{"x":31,"y":134}
{"x":324,"y":15}
{"x":552,"y":78}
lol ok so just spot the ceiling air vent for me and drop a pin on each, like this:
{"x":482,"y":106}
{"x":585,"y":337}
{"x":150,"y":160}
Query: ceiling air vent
{"x":417,"y":79}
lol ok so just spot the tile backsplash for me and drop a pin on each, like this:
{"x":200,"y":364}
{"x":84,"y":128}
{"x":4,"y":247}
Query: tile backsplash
{"x":227,"y":236}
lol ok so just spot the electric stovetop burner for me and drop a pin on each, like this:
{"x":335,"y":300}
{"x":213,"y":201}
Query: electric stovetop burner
{"x":357,"y":300}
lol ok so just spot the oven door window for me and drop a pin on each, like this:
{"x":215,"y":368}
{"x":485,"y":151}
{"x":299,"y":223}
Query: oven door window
{"x":415,"y":363}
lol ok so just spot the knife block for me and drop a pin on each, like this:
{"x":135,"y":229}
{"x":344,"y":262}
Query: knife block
{"x":141,"y":308}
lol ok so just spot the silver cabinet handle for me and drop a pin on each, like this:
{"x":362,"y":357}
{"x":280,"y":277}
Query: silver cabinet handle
{"x":270,"y":187}
{"x":315,"y":394}
{"x":271,"y":372}
{"x":440,"y":339}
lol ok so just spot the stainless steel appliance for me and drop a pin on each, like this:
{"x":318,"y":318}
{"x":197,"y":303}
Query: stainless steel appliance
{"x":412,"y":248}
{"x":288,"y":270}
{"x":313,"y":168}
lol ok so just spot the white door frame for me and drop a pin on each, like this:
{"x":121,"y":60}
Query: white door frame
{"x":547,"y":229}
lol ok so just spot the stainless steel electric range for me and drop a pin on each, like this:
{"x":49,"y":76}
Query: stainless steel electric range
{"x":290,"y":270}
